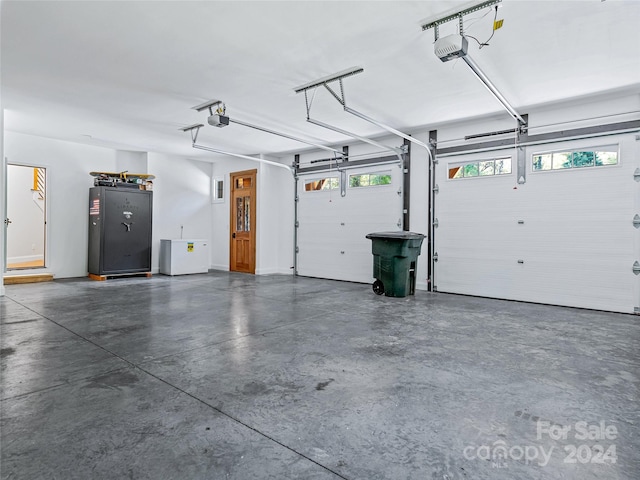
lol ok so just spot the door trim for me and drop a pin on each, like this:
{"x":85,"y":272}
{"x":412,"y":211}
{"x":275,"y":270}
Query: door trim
{"x":8,"y":271}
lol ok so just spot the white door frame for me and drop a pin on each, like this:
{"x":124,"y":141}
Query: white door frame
{"x":44,"y":269}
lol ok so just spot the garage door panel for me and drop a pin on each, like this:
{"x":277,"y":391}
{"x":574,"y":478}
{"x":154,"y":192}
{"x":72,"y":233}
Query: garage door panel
{"x":353,"y":266}
{"x":318,"y":231}
{"x":489,"y":253}
{"x":472,"y":204}
{"x":482,"y":277}
{"x":558,"y":250}
{"x":361,"y":230}
{"x":596,"y":285}
{"x":476,"y":238}
{"x":498,"y":278}
{"x":332,"y":229}
{"x":572,"y":231}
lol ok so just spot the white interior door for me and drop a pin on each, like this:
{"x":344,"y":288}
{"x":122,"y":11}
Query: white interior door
{"x":332,"y":228}
{"x":565,"y":237}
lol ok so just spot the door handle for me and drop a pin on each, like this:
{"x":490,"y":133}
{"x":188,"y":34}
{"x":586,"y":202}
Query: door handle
{"x":233,"y":235}
{"x":128,"y":225}
{"x":7,"y":221}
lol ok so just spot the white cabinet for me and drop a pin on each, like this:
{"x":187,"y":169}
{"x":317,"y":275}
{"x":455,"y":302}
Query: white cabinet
{"x":179,"y":257}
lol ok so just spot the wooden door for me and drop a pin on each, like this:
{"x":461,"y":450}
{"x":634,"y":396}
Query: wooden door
{"x":243,"y":222}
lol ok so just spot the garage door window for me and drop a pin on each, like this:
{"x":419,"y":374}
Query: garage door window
{"x":480,"y":168}
{"x":370,"y":179}
{"x":572,"y":159}
{"x":321,"y":184}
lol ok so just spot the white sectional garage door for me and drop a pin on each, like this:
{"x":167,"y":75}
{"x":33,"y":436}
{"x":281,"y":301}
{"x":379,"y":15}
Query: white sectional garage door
{"x":332,"y":227}
{"x":565,"y":237}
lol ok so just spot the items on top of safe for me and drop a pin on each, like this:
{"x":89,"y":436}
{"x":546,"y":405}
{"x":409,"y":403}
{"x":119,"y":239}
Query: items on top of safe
{"x":139,"y":181}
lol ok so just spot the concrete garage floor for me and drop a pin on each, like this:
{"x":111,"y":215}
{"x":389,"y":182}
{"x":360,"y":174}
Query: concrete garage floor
{"x":229,"y":376}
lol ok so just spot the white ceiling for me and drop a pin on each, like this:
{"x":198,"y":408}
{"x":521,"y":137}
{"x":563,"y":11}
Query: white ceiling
{"x":127,"y":73}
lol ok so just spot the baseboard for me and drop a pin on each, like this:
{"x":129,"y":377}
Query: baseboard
{"x":266,"y":271}
{"x":223,"y":268}
{"x":288,"y":271}
{"x":259,"y":271}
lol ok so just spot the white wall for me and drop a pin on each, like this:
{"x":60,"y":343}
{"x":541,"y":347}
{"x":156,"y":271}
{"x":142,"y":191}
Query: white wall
{"x":284,"y":222}
{"x":181,"y":194}
{"x":68,"y":166}
{"x":220,"y":212}
{"x":181,"y":198}
{"x":131,"y":162}
{"x":275,"y":220}
{"x":25,"y":235}
{"x":581,"y":112}
{"x":182,"y":188}
{"x":274,"y":212}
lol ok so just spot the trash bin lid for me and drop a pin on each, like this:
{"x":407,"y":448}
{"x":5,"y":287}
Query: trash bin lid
{"x":396,"y":235}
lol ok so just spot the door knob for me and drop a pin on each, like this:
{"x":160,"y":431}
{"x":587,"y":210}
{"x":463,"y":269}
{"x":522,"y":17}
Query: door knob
{"x":233,"y":235}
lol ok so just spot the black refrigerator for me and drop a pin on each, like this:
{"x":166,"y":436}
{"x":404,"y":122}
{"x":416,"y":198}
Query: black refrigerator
{"x":119,"y":230}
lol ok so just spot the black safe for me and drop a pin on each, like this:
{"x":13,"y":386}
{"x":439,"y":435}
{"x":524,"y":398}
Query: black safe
{"x":119,"y":230}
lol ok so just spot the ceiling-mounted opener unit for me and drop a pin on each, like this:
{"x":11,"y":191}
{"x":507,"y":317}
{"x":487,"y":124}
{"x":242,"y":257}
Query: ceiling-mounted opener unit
{"x":338,"y":77}
{"x":195,"y":129}
{"x":456,"y":46}
{"x":219,"y":119}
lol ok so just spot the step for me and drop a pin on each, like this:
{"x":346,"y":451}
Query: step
{"x":28,"y":278}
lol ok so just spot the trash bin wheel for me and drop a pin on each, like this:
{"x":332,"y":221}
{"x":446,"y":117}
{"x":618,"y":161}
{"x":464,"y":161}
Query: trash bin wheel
{"x":378,"y":287}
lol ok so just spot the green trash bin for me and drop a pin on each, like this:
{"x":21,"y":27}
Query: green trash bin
{"x":395,"y":255}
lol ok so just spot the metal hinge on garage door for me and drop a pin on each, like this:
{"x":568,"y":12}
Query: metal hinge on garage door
{"x":435,"y":259}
